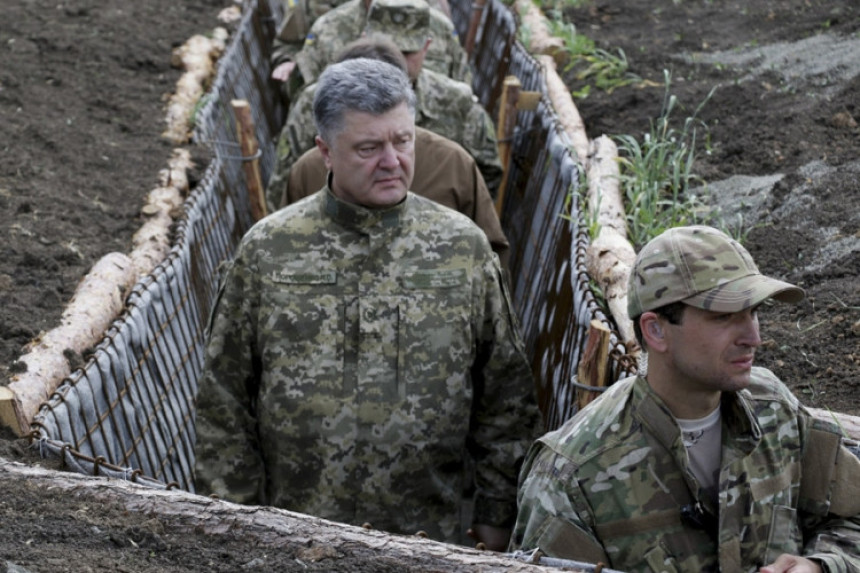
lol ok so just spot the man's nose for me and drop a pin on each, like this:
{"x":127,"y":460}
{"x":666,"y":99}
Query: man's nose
{"x":750,"y":331}
{"x":389,"y":159}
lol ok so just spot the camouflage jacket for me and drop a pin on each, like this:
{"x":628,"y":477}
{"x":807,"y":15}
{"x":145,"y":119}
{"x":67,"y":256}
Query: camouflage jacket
{"x":331,"y":33}
{"x":359,"y":362}
{"x":445,"y":107}
{"x":612,"y":485}
{"x":299,"y":16}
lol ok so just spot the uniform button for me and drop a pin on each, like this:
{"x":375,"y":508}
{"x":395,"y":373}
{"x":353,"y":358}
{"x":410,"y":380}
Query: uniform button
{"x":369,"y":314}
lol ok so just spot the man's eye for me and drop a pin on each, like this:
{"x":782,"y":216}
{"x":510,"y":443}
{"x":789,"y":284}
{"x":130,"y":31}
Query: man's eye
{"x":404,"y":143}
{"x":366,"y":150}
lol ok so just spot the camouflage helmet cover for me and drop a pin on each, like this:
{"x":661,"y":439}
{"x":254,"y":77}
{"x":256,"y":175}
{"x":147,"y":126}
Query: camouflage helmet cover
{"x":703,"y":267}
{"x":405,"y":22}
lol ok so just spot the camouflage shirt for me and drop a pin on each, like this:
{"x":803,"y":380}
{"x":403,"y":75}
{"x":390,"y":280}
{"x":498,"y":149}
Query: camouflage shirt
{"x":333,"y":31}
{"x":613,"y":485}
{"x":445,"y":107}
{"x":359,"y":362}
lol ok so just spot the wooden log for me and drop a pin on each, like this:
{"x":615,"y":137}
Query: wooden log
{"x":609,"y":258}
{"x":594,"y":363}
{"x":565,"y":109}
{"x":540,"y":38}
{"x":151,"y":243}
{"x":197,"y":56}
{"x":97,"y":301}
{"x":264,"y":528}
{"x":250,"y":157}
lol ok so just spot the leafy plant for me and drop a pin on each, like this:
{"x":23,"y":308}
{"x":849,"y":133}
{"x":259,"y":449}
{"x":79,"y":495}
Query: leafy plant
{"x":600,"y":68}
{"x":657,"y":173}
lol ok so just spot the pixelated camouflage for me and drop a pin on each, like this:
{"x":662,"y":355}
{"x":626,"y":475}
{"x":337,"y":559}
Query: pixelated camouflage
{"x":404,"y":22}
{"x":444,"y":106}
{"x":702,"y":267}
{"x":358,"y":363}
{"x":613,"y":485}
{"x":334,"y":30}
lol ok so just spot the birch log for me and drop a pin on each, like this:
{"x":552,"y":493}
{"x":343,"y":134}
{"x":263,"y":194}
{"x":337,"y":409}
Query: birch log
{"x":97,"y":301}
{"x":540,"y":38}
{"x":151,"y":243}
{"x":197,"y":56}
{"x":609,"y":258}
{"x":184,"y":515}
{"x":565,"y":109}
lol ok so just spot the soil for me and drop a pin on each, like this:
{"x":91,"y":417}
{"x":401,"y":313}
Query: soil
{"x":82,"y":93}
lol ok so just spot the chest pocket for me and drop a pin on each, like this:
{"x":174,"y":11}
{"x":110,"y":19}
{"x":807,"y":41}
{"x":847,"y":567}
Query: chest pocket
{"x":302,"y":331}
{"x":436,"y":337}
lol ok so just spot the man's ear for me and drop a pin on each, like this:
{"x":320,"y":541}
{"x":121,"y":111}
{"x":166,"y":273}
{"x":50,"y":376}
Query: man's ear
{"x":325,"y":150}
{"x":652,"y":331}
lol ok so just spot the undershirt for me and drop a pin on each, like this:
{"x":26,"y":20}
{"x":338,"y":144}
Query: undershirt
{"x":702,"y":440}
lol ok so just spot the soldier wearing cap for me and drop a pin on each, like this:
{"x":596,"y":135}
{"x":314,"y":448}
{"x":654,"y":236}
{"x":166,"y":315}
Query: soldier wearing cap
{"x":345,"y":23}
{"x":703,"y":462}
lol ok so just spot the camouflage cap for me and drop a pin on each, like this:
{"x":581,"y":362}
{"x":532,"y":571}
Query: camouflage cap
{"x":405,"y":22}
{"x":703,"y":267}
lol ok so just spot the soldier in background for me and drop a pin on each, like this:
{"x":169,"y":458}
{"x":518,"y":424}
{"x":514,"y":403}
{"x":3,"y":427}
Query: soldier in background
{"x":704,"y":462}
{"x":445,"y":106}
{"x":300,"y":62}
{"x":363,"y":361}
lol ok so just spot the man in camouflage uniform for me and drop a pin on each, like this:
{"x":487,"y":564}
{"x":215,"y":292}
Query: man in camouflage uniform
{"x":445,"y":106}
{"x":363,"y":361}
{"x":704,"y":463}
{"x":332,"y":31}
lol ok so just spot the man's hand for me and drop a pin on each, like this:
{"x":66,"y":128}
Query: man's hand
{"x":786,"y":563}
{"x":493,"y":538}
{"x":282,"y":71}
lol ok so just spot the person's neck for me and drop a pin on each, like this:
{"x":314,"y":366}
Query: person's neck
{"x":684,"y":402}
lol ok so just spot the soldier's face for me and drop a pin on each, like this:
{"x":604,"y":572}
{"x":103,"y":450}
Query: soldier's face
{"x":711,"y":351}
{"x":372,"y":159}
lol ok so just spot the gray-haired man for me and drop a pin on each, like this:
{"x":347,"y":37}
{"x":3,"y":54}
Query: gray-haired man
{"x":363,"y":353}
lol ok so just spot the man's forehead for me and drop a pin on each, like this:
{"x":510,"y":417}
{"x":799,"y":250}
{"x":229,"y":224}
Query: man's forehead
{"x":395,"y":122}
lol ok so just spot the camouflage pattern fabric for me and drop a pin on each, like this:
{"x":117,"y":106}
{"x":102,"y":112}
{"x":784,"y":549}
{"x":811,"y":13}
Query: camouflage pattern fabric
{"x":358,"y":362}
{"x":702,"y":267}
{"x":445,"y":107}
{"x":612,"y":485}
{"x":300,"y":15}
{"x":331,"y":33}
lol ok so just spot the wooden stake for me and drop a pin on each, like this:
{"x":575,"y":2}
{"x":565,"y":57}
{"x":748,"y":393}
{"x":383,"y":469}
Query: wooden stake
{"x":10,"y":412}
{"x":474,"y":23}
{"x":592,"y":367}
{"x":250,"y":160}
{"x":505,"y":131}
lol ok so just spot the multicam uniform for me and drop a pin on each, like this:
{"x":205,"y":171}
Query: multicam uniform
{"x":444,"y":106}
{"x":613,"y":485}
{"x":332,"y":32}
{"x":355,"y":357}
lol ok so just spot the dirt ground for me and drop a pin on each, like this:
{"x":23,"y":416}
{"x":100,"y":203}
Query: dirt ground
{"x":82,"y":91}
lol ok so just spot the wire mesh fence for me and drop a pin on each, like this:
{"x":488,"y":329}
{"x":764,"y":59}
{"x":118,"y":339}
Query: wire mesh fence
{"x":129,"y":412}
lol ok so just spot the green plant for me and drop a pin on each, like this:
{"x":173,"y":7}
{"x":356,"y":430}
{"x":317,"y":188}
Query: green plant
{"x":600,"y":68}
{"x":657,"y":173}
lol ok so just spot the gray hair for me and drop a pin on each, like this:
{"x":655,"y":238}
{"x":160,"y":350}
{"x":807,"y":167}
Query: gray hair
{"x":360,"y":84}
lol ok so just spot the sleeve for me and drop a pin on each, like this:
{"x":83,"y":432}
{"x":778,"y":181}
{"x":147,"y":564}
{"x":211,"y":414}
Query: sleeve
{"x":830,"y":499}
{"x":479,"y":139}
{"x":549,"y":510}
{"x":505,"y":417}
{"x":227,"y":455}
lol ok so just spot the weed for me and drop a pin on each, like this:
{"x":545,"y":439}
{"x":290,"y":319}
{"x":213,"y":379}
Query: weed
{"x":657,"y":173}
